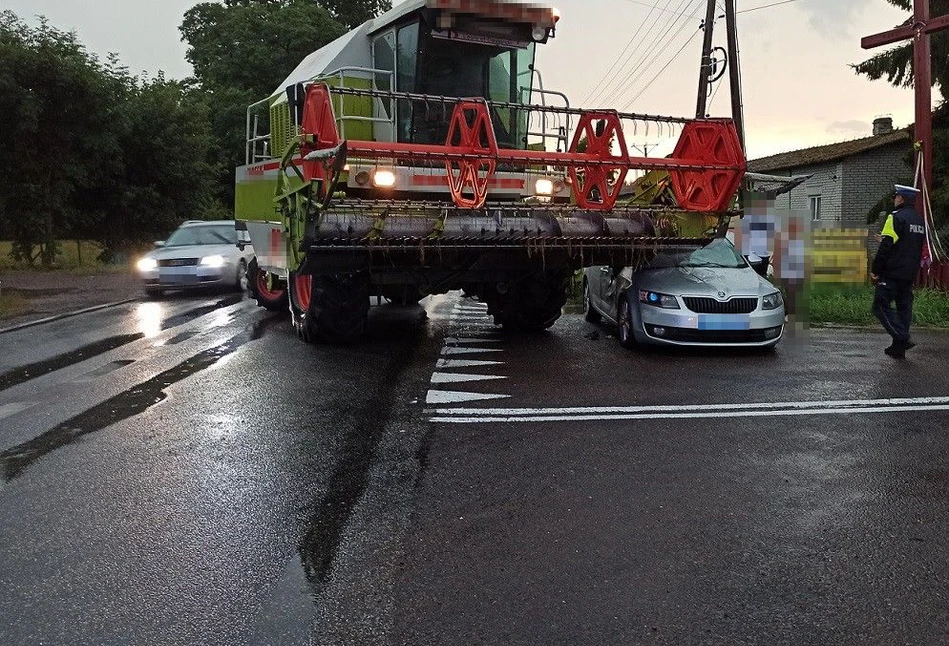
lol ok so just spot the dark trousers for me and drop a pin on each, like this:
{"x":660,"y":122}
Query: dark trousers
{"x":895,"y":322}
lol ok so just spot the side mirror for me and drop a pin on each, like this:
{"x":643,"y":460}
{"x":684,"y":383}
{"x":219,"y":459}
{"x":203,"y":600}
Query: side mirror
{"x":159,"y":243}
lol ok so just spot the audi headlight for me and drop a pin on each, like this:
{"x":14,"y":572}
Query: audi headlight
{"x":772,"y":301}
{"x":656,"y":299}
{"x":147,"y":264}
{"x":214,"y":262}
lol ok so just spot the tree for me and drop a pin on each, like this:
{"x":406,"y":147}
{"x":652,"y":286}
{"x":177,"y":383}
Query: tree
{"x":896,"y":66}
{"x":353,"y":13}
{"x":242,"y":50}
{"x":90,"y":151}
{"x":896,"y":63}
{"x":57,"y":101}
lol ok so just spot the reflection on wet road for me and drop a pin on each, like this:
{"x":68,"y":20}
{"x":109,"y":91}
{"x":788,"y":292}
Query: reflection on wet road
{"x":189,"y":472}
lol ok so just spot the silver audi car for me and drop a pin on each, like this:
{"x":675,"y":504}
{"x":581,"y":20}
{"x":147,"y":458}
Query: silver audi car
{"x":197,"y":254}
{"x":710,"y":296}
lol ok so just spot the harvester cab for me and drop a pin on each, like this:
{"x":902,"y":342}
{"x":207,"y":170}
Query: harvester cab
{"x":421,"y":153}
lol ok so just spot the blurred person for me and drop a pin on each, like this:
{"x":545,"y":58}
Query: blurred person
{"x":895,"y":267}
{"x":792,"y":270}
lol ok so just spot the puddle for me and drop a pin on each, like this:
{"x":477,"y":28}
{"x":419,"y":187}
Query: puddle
{"x":136,"y":400}
{"x":32,"y":371}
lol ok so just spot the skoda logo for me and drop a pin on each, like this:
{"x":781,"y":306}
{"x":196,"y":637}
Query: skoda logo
{"x":722,"y":294}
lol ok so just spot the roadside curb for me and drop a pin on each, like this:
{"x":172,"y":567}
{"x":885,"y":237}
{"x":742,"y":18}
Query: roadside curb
{"x":50,"y":319}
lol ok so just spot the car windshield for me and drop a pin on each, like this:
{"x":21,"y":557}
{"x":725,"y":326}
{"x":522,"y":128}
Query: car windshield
{"x":202,"y":235}
{"x":718,"y":253}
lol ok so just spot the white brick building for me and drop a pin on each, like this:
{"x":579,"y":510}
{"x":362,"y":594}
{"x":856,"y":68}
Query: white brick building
{"x":848,"y":178}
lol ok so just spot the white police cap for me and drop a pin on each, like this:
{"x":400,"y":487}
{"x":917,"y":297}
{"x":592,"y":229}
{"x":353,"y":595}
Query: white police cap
{"x":906,"y":191}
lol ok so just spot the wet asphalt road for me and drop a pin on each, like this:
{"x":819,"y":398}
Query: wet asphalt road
{"x":188,"y":472}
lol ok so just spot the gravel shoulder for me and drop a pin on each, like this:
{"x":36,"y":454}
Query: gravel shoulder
{"x":41,"y":294}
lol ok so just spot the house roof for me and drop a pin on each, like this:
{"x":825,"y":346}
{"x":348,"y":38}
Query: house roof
{"x":797,"y":159}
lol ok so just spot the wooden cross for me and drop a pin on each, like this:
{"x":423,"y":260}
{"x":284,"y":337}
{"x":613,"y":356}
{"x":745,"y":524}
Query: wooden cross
{"x":920,"y":29}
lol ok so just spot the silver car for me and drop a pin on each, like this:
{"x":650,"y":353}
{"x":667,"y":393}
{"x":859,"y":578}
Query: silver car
{"x":709,"y":296}
{"x":197,"y":254}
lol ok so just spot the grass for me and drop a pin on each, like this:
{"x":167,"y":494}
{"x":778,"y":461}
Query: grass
{"x":850,"y":305}
{"x":79,"y":256}
{"x":11,"y":304}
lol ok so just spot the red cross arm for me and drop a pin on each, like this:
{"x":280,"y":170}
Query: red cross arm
{"x":904,"y":33}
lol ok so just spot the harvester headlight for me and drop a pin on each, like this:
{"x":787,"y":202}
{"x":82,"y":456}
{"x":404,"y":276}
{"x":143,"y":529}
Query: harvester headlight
{"x":147,"y":264}
{"x":383,"y":179}
{"x":559,"y":186}
{"x":539,"y":33}
{"x":362,"y":177}
{"x":214,"y":262}
{"x":544,"y":187}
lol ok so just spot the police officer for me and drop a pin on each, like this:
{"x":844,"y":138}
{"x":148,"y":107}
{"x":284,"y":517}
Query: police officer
{"x":895,"y":267}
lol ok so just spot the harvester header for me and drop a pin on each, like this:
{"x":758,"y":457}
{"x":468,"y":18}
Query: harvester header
{"x":421,"y":153}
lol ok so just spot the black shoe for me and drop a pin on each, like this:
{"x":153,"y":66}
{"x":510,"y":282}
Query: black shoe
{"x":895,"y":351}
{"x":907,"y":345}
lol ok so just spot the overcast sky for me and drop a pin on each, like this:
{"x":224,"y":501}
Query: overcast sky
{"x":798,"y":88}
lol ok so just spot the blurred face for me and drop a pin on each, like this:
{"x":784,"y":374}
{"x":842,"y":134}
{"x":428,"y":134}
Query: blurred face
{"x":898,"y":200}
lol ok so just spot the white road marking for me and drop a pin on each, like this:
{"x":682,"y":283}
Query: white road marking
{"x":449,"y":397}
{"x":459,"y":377}
{"x":459,"y":341}
{"x":607,"y":410}
{"x":8,"y":410}
{"x":450,"y":351}
{"x":654,"y":416}
{"x":469,"y":308}
{"x":447,"y":364}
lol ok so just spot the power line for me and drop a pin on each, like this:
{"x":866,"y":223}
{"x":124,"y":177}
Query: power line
{"x":773,"y":4}
{"x":643,"y":66}
{"x":646,"y":45}
{"x":644,"y":4}
{"x":664,"y":67}
{"x":599,"y":86}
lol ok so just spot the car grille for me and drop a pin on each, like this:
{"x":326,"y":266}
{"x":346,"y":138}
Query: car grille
{"x":178,"y":262}
{"x":711,"y":306}
{"x":685,"y":335}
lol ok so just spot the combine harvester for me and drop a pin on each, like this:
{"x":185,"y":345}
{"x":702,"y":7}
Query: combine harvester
{"x":420,"y":153}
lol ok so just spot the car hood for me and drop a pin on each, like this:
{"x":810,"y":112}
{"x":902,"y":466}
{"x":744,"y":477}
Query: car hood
{"x":193,"y":251}
{"x":711,"y":281}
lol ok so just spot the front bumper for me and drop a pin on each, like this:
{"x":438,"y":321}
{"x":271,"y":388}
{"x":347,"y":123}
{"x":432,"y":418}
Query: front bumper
{"x":761,"y":328}
{"x":187,"y":277}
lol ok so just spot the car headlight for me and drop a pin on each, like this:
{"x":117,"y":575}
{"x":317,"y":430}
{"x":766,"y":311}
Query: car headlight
{"x":214,"y":262}
{"x":656,"y":299}
{"x":772,"y":301}
{"x":147,"y":264}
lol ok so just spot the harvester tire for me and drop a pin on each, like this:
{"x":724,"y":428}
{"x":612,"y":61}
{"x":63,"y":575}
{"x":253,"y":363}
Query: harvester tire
{"x":339,"y":308}
{"x":535,"y":303}
{"x":271,"y":298}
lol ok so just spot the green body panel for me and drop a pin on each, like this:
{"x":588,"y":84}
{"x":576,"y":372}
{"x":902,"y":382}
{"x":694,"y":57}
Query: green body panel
{"x":254,"y":198}
{"x":282,"y":131}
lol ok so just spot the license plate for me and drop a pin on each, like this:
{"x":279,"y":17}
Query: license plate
{"x":179,"y":279}
{"x":724,"y":322}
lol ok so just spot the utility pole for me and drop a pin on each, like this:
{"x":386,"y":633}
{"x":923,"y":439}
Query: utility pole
{"x":734,"y":70}
{"x":701,"y":109}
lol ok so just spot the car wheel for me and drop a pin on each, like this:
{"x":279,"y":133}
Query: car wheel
{"x":241,"y":275}
{"x":625,"y":319}
{"x":589,"y":313}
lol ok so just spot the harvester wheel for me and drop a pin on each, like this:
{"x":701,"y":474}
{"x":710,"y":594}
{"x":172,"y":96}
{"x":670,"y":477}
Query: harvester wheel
{"x":272,"y":297}
{"x":337,"y":309}
{"x":535,"y":303}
